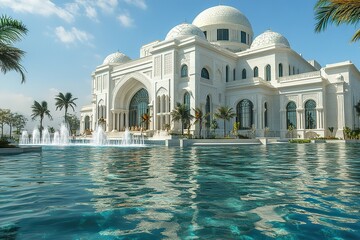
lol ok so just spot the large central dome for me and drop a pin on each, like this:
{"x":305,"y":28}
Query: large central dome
{"x":226,"y":27}
{"x":221,"y":15}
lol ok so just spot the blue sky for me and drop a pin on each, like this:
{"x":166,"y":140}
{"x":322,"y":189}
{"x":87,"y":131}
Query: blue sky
{"x":67,"y":39}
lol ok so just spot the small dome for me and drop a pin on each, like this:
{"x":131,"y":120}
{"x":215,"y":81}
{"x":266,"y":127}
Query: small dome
{"x":116,"y":57}
{"x":185,"y":30}
{"x":221,"y":15}
{"x":269,"y":38}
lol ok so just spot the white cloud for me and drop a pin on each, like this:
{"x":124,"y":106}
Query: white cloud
{"x":126,"y":20}
{"x":40,"y":7}
{"x":72,"y":36}
{"x":16,"y":102}
{"x":88,"y":8}
{"x":91,"y":12}
{"x":138,"y":3}
{"x":107,"y":5}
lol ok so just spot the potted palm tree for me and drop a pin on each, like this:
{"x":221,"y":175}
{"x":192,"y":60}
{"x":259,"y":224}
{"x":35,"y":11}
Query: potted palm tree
{"x":145,"y":119}
{"x":226,"y":114}
{"x":199,"y":118}
{"x":182,"y":114}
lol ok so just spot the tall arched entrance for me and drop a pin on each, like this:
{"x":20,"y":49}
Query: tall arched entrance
{"x":87,"y":123}
{"x":139,"y":105}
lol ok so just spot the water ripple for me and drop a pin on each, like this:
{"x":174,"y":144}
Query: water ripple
{"x":287,"y":191}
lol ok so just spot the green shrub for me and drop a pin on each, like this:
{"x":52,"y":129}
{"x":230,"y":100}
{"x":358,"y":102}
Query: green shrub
{"x":4,"y":143}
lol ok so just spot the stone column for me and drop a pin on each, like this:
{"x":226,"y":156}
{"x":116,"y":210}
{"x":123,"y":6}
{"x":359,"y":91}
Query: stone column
{"x":126,"y":119}
{"x":283,"y":124}
{"x":121,"y":121}
{"x":319,"y":118}
{"x":300,"y":118}
{"x":113,"y":121}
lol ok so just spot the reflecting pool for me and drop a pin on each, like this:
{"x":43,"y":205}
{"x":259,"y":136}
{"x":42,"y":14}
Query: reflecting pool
{"x":282,"y":191}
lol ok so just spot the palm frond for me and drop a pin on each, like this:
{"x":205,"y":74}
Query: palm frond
{"x":336,"y":12}
{"x":11,"y":30}
{"x":10,"y":58}
{"x":356,"y":36}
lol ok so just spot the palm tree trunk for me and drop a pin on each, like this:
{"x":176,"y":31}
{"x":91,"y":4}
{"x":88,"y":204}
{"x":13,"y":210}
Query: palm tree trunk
{"x":65,"y":116}
{"x":182,"y":128}
{"x":200,"y":128}
{"x":224,"y":128}
{"x":41,"y":128}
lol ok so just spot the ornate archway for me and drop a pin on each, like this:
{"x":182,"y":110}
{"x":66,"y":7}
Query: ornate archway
{"x":138,"y":107}
{"x":131,"y":99}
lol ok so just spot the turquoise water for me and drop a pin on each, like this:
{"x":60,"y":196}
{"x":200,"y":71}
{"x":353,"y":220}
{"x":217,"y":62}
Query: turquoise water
{"x":284,"y":191}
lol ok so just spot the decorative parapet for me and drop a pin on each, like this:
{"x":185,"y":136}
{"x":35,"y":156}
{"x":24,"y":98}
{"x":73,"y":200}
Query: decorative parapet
{"x":248,"y":82}
{"x":300,"y":77}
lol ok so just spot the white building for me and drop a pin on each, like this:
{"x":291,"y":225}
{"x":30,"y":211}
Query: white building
{"x":216,"y":61}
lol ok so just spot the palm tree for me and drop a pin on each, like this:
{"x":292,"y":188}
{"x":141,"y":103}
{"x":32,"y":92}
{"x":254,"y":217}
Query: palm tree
{"x":226,"y":114}
{"x":19,"y":122}
{"x":65,"y":101}
{"x":11,"y":30}
{"x":4,"y":116}
{"x":145,"y":118}
{"x":337,"y":12}
{"x":181,"y":113}
{"x":40,"y":110}
{"x":199,"y":118}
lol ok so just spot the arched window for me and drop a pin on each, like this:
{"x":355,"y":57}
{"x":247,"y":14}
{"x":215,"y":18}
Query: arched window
{"x":243,"y":74}
{"x":184,"y":70}
{"x":205,"y":73}
{"x":280,"y":70}
{"x":138,"y":106}
{"x":101,"y":109}
{"x":310,"y":114}
{"x":244,"y":113}
{"x":268,"y":73}
{"x":227,"y":73}
{"x":256,"y":71}
{"x":291,"y":115}
{"x":207,"y":111}
{"x":289,"y":70}
{"x":87,"y":123}
{"x":234,"y":74}
{"x":187,"y":100}
{"x":265,"y":115}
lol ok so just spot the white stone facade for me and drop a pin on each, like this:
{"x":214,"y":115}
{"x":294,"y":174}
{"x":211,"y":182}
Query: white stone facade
{"x":216,"y":62}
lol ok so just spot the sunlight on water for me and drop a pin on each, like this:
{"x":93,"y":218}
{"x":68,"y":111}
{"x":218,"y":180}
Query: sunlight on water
{"x":285,"y":191}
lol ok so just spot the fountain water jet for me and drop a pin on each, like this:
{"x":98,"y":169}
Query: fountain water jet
{"x":56,"y":140}
{"x":64,"y":135}
{"x":45,"y":137}
{"x":130,"y":139}
{"x":24,"y":137}
{"x":99,"y":137}
{"x":126,"y":140}
{"x":36,"y":136}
